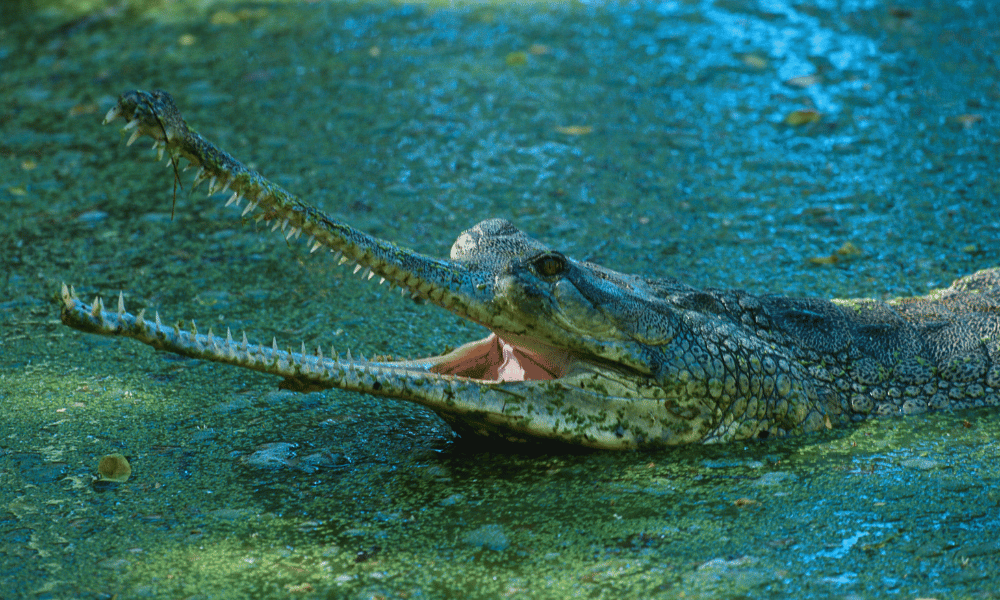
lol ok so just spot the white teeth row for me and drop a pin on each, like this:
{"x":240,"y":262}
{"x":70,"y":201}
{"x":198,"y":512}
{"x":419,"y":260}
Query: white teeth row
{"x":229,"y":347}
{"x":237,"y":196}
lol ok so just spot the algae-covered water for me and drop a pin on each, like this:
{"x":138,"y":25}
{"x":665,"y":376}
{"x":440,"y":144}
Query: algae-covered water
{"x":811,"y":148}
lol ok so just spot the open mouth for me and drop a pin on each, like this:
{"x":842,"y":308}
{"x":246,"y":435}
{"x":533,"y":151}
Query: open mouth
{"x":494,"y":360}
{"x":510,"y":385}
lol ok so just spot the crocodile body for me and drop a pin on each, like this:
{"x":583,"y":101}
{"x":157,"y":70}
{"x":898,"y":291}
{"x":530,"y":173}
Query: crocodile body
{"x":582,"y":354}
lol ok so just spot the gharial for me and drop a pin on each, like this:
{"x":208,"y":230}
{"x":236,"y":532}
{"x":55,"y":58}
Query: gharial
{"x":582,"y":354}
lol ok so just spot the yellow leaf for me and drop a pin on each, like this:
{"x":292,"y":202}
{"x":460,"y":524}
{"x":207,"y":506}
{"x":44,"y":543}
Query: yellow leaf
{"x":223,"y":17}
{"x":517,"y":59}
{"x":802,"y":117}
{"x":575,"y":129}
{"x":824,"y":260}
{"x":849,"y":249}
{"x":754,"y":60}
{"x":804,"y":81}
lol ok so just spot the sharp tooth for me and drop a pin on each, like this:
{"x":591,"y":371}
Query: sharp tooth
{"x":121,"y":305}
{"x":337,"y":255}
{"x":140,"y":319}
{"x":229,"y":338}
{"x":96,"y":307}
{"x":198,"y":178}
{"x":316,"y":246}
{"x":250,"y":206}
{"x":194,"y":327}
{"x":226,"y":185}
{"x":292,"y":232}
{"x":131,"y":124}
{"x":235,"y":198}
{"x":135,"y":135}
{"x":159,"y":325}
{"x":211,"y":185}
{"x":245,"y":343}
{"x":349,"y":359}
{"x":112,"y":114}
{"x":372,"y":274}
{"x":357,"y":268}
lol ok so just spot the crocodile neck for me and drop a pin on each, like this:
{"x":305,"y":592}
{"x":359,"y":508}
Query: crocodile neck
{"x":582,"y":354}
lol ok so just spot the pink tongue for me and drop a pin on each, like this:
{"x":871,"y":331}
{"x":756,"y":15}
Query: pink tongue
{"x":510,"y":369}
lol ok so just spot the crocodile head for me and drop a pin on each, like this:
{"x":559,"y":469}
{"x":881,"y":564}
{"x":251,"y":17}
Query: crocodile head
{"x":577,"y":353}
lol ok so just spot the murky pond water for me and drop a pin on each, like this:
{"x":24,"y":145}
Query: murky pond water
{"x":820,"y":148}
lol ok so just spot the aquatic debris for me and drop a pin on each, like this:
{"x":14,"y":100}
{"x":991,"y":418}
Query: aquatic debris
{"x":802,"y":117}
{"x":846,"y":251}
{"x":114,"y":467}
{"x":516,"y":59}
{"x":804,"y":81}
{"x":575,"y":129}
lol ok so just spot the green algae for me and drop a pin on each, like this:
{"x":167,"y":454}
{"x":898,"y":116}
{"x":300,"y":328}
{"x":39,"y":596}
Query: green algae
{"x":408,"y":122}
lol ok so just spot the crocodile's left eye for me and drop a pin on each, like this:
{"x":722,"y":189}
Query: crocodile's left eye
{"x":550,"y":264}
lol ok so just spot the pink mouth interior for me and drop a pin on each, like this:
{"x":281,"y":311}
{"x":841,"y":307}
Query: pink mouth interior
{"x":495,"y":359}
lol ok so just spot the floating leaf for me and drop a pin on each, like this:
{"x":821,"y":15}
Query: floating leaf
{"x":804,"y":81}
{"x":754,"y":60}
{"x":849,"y":249}
{"x":832,"y":259}
{"x":802,"y":117}
{"x":575,"y":129}
{"x":83,"y":109}
{"x":517,"y":59}
{"x":223,"y":17}
{"x":114,"y":467}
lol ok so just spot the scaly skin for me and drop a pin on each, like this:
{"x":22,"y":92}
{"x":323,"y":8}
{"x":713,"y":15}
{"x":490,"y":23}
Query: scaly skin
{"x":589,"y":356}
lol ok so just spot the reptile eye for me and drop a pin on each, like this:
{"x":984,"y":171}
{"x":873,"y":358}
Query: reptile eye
{"x":549,"y":265}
